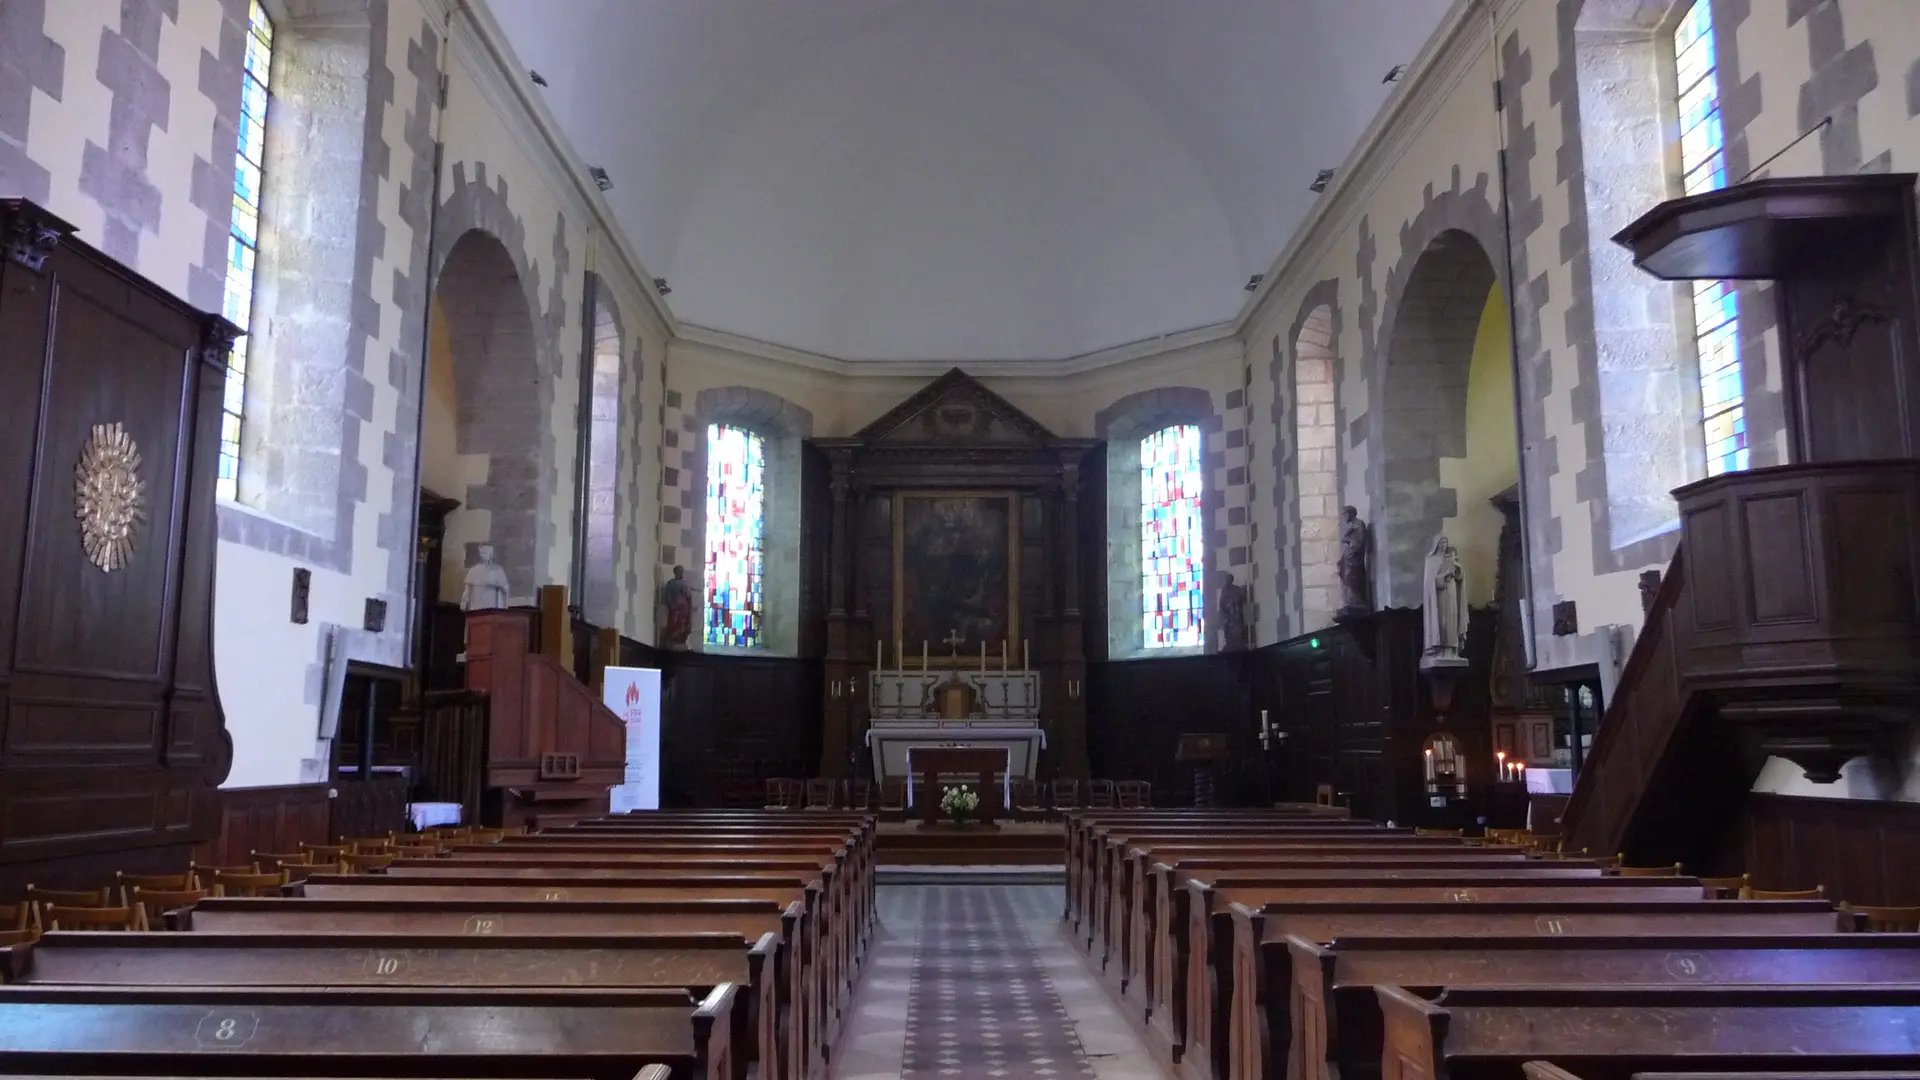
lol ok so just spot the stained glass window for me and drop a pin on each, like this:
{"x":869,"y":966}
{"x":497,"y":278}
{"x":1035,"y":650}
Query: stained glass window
{"x":1172,"y":553}
{"x":736,"y":526}
{"x":243,"y":237}
{"x":1716,"y":314}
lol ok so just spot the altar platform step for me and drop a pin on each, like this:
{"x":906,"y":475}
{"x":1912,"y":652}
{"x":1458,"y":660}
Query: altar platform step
{"x":971,"y":875}
{"x":1012,"y":844}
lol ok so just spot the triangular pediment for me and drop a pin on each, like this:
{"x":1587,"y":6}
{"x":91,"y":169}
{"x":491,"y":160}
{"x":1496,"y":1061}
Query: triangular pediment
{"x":955,"y":410}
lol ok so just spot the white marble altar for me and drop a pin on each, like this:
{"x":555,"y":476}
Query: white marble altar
{"x":905,"y":713}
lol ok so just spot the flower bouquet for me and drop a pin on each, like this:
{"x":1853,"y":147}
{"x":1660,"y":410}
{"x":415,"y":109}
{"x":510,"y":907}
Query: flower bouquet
{"x":959,"y":804}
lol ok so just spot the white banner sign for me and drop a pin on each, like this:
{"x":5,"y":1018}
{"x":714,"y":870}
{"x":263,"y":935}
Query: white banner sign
{"x":634,"y":696}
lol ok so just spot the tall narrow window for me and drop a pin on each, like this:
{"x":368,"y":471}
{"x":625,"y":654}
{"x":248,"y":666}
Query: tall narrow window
{"x":736,"y":527}
{"x":1172,"y":560}
{"x":1716,"y":315}
{"x":243,"y":239}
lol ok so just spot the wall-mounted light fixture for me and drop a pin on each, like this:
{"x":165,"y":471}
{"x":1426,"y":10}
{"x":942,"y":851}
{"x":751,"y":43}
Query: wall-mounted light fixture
{"x":1394,"y":73}
{"x":660,"y":286}
{"x":1253,"y":282}
{"x":538,"y":79}
{"x":1321,"y":181}
{"x":600,"y":178}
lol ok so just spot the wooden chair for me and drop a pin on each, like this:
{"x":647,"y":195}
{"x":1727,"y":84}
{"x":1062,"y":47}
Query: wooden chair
{"x":1450,"y":833}
{"x":16,"y":916}
{"x":1724,"y":888}
{"x":61,"y":917}
{"x":1887,"y":920}
{"x":128,"y":882}
{"x":822,"y":793}
{"x":1064,"y":795}
{"x":860,"y":794}
{"x":375,"y":845}
{"x":893,"y":798}
{"x":779,"y":796}
{"x":1026,"y":801}
{"x":1676,"y":870}
{"x":1818,"y":892}
{"x":369,"y":862}
{"x":153,"y":904}
{"x":203,"y":875}
{"x":226,"y":884}
{"x":486,"y":836}
{"x":1134,"y":794}
{"x":39,"y":900}
{"x":22,"y":936}
{"x":1100,"y":794}
{"x":268,"y":861}
{"x":1504,"y":837}
{"x":302,"y":871}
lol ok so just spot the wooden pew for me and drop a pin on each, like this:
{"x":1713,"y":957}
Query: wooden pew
{"x":1335,"y":1026}
{"x":1245,"y":947}
{"x":462,"y":916}
{"x":694,"y":962}
{"x":379,"y":1032}
{"x":1612,"y":1033}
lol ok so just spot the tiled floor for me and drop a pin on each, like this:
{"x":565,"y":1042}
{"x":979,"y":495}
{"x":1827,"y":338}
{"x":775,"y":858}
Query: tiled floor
{"x":967,"y":982}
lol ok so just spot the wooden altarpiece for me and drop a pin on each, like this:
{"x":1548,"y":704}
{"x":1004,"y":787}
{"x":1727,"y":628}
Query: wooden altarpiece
{"x":956,"y":438}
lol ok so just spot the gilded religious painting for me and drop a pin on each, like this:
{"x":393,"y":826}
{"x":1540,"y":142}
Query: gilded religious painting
{"x":955,"y":574}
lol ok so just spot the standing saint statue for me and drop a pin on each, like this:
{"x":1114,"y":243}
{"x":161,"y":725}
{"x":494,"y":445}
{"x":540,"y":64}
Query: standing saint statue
{"x":485,"y":588}
{"x":1444,"y":615}
{"x":676,"y":607}
{"x":1356,"y":585}
{"x":1233,"y":615}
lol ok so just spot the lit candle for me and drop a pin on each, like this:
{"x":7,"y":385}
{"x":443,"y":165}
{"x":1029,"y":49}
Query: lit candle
{"x":1522,"y":767}
{"x":1429,"y":754}
{"x":1501,"y":757}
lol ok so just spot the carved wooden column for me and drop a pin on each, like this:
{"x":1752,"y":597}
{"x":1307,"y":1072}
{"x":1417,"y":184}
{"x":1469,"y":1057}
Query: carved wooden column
{"x":1066,"y":652}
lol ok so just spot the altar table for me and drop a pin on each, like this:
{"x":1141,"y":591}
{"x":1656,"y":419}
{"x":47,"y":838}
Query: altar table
{"x":931,"y":761}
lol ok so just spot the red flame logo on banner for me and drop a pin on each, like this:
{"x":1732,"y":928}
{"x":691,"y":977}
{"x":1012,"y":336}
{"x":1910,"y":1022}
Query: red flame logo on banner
{"x":633,"y":694}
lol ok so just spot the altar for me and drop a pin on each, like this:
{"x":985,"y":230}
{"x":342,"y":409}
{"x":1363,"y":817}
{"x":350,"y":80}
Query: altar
{"x":929,"y":708}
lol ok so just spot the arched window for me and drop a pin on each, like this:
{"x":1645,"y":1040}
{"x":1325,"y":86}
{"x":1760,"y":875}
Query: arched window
{"x":1716,"y":315}
{"x":243,"y":238}
{"x":1172,"y":539}
{"x":736,"y":529}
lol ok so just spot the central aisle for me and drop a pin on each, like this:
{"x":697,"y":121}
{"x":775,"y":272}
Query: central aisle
{"x":970,"y":982}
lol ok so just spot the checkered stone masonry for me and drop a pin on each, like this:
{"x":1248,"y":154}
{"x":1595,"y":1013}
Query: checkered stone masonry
{"x":1233,"y":521}
{"x":679,"y":440}
{"x":981,"y":1006}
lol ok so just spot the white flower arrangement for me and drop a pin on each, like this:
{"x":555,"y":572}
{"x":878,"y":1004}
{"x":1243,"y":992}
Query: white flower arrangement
{"x":959,"y":802}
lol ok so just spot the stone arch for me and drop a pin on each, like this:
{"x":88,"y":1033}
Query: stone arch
{"x":1422,"y":414}
{"x":500,"y":385}
{"x":1310,"y":419}
{"x":785,"y":426}
{"x":602,"y":399}
{"x":1123,"y":424}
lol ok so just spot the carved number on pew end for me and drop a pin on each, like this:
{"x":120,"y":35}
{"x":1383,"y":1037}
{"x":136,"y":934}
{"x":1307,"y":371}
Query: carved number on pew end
{"x":225,"y":1030}
{"x":384,"y":965}
{"x":1553,"y":924}
{"x":485,"y":924}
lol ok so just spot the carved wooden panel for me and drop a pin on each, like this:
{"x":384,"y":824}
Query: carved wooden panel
{"x":274,"y":819}
{"x":111,"y":737}
{"x":1864,"y":851}
{"x":1774,"y":526}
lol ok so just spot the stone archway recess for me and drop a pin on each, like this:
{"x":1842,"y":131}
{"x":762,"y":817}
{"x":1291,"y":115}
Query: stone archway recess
{"x":1428,"y":355}
{"x":498,"y":391}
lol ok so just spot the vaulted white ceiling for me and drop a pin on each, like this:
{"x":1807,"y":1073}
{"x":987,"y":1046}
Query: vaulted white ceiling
{"x":960,"y":180}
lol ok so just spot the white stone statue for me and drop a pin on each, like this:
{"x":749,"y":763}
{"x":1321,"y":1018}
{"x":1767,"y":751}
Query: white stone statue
{"x":1444,"y":614}
{"x":486,"y":584}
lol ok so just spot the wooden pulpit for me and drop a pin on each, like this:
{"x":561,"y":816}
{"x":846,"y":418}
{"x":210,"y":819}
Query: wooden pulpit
{"x":931,"y":761}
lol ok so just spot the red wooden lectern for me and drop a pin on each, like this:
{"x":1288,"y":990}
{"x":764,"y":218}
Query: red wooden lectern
{"x":931,"y":761}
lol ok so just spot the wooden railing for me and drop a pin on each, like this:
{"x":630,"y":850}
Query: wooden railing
{"x":1647,"y":706}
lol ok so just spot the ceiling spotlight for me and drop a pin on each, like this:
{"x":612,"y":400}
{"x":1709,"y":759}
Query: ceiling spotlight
{"x":536,"y":77}
{"x":1254,"y":281}
{"x":1394,"y":73}
{"x":660,"y":286}
{"x":1321,"y":181}
{"x":600,"y":178}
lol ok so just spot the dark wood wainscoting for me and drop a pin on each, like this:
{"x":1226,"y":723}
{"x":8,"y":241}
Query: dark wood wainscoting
{"x":274,"y":818}
{"x":730,"y":722}
{"x":1863,"y":850}
{"x":1138,"y":709}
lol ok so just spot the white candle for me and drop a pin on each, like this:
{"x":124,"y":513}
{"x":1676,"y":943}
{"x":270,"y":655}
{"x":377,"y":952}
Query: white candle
{"x":923,"y":654}
{"x":983,"y":656}
{"x":1429,"y":753}
{"x":880,"y":654}
{"x":1026,"y":660}
{"x":1265,"y":728}
{"x":1003,"y":656}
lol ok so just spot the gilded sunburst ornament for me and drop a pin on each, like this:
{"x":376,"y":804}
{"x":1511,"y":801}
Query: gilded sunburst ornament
{"x":109,"y":496}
